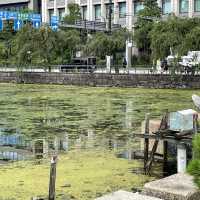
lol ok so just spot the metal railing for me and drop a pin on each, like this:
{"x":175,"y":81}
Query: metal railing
{"x":116,"y":69}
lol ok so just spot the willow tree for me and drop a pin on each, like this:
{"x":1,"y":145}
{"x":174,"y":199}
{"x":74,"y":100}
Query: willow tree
{"x":179,"y":35}
{"x":24,"y":46}
{"x":144,"y":25}
{"x":67,"y":42}
{"x":74,"y":13}
{"x":102,"y":44}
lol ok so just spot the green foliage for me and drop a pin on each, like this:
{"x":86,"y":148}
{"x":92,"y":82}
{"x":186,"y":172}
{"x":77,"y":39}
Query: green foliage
{"x":194,"y":165}
{"x":66,"y":44}
{"x":102,"y":44}
{"x":144,"y":26}
{"x":151,"y":9}
{"x":6,"y":46}
{"x":192,"y":40}
{"x":181,"y":35}
{"x":41,"y":46}
{"x":74,"y":13}
{"x":24,"y":42}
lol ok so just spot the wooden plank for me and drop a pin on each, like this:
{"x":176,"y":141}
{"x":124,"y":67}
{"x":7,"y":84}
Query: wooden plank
{"x":151,"y":158}
{"x":186,"y":140}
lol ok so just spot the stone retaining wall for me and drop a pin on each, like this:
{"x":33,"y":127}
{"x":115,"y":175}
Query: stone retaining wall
{"x":120,"y":80}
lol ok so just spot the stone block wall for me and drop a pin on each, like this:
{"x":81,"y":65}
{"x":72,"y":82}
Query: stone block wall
{"x":110,"y":80}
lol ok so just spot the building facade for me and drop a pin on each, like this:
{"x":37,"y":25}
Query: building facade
{"x":19,"y":5}
{"x":124,"y":12}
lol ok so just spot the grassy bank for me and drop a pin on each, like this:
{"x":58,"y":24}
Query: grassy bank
{"x":80,"y":175}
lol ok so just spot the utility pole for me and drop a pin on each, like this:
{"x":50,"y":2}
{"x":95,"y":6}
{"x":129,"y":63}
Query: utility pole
{"x":110,"y":17}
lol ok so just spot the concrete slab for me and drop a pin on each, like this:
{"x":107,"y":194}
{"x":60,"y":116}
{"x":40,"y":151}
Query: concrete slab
{"x":175,"y":187}
{"x":124,"y":195}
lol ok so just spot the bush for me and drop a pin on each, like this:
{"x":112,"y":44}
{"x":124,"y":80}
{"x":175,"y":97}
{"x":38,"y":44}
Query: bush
{"x":194,"y":165}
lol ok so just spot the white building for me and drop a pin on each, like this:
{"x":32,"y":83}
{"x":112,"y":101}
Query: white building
{"x":124,"y":11}
{"x":18,"y":5}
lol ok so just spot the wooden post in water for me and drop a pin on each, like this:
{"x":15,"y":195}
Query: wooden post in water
{"x":165,"y":158}
{"x":52,"y":181}
{"x":146,"y":140}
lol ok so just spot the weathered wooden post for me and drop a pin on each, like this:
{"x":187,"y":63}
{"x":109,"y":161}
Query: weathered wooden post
{"x":165,"y":146}
{"x":165,"y":157}
{"x":146,"y":140}
{"x":52,"y":181}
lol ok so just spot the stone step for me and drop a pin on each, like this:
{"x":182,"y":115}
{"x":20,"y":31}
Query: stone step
{"x":177,"y":187}
{"x":124,"y":195}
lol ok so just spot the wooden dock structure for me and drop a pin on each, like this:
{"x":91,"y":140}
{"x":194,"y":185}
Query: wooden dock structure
{"x":164,"y":134}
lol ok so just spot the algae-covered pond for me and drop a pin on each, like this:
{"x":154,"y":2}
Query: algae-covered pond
{"x":47,"y":110}
{"x":94,"y":124}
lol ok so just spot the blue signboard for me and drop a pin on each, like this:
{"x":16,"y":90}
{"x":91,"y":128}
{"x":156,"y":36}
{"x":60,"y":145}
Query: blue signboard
{"x":18,"y":18}
{"x":18,"y":24}
{"x":36,"y":17}
{"x":36,"y":20}
{"x":54,"y":22}
{"x":12,"y":15}
{"x":36,"y":24}
{"x":1,"y":25}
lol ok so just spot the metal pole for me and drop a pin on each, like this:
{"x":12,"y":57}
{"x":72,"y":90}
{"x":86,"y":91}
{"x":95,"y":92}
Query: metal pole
{"x":52,"y":181}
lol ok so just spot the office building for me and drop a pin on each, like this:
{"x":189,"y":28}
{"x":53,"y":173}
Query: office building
{"x":19,"y":5}
{"x":124,"y":11}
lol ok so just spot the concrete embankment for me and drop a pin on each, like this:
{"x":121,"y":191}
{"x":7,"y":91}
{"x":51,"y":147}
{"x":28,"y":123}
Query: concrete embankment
{"x":110,"y":80}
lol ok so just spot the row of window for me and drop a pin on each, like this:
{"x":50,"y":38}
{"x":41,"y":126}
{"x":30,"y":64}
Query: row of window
{"x":122,"y":10}
{"x":166,"y":8}
{"x":14,"y":8}
{"x":183,"y":6}
{"x":61,"y":13}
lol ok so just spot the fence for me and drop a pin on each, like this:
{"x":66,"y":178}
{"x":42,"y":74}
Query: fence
{"x":115,"y":69}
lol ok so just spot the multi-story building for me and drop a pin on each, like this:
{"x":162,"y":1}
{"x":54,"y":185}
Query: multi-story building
{"x":124,"y":11}
{"x":18,"y":5}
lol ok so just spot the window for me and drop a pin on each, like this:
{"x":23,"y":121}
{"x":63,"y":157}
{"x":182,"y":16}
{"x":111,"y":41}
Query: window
{"x":122,"y":9}
{"x":107,"y":10}
{"x":84,"y":12}
{"x":61,"y":12}
{"x":138,"y":5}
{"x":97,"y":11}
{"x":183,"y":6}
{"x":197,"y":5}
{"x":166,"y":6}
{"x":51,"y":12}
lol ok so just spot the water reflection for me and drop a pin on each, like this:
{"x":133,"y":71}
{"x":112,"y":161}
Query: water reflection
{"x":77,"y":117}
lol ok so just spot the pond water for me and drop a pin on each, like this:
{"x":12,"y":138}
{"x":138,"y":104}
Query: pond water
{"x":81,"y":117}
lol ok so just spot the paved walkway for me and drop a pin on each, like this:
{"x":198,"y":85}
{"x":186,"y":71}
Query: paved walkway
{"x":123,"y":195}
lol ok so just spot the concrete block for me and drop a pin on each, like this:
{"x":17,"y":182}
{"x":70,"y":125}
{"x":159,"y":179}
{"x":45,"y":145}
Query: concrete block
{"x":176,"y":187}
{"x":123,"y":195}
